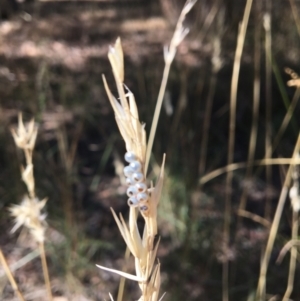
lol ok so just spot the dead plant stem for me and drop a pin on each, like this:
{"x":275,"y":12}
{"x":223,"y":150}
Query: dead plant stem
{"x":10,"y":276}
{"x":206,"y":121}
{"x":260,"y":294}
{"x":255,"y":108}
{"x":169,"y":54}
{"x":285,"y":121}
{"x":45,"y":270}
{"x":293,"y":258}
{"x":160,"y":98}
{"x":268,"y":94}
{"x":230,"y":158}
{"x":256,"y":218}
{"x":234,"y":166}
{"x":295,"y":15}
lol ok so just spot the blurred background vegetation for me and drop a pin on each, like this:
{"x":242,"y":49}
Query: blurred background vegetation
{"x":52,"y":56}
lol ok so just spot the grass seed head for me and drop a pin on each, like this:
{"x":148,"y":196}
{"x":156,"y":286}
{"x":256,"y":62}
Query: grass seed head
{"x":125,"y":109}
{"x":25,"y":135}
{"x":146,"y":200}
{"x":29,"y":214}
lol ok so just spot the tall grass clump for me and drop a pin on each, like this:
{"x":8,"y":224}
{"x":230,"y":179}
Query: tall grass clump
{"x":143,"y":197}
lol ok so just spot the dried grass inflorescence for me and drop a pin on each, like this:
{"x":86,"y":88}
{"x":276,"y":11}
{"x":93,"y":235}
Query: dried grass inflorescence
{"x":29,"y":212}
{"x":140,"y":196}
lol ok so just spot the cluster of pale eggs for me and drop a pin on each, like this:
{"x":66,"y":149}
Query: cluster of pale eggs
{"x":137,"y":190}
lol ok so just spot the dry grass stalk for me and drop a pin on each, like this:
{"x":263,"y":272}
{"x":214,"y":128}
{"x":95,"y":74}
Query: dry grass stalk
{"x":143,"y":248}
{"x":234,"y":166}
{"x":261,"y":287}
{"x":255,"y":107}
{"x":29,"y":212}
{"x":295,"y":204}
{"x":286,"y":248}
{"x":295,"y":14}
{"x":217,"y":64}
{"x":268,"y":95}
{"x":231,"y":143}
{"x":294,"y":82}
{"x":256,"y":218}
{"x":10,"y":276}
{"x":169,"y":54}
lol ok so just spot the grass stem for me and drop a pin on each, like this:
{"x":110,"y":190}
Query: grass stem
{"x":293,"y":258}
{"x":230,"y":158}
{"x":160,"y":98}
{"x":255,"y":108}
{"x":268,"y":95}
{"x":234,"y":166}
{"x":169,"y":54}
{"x":10,"y":276}
{"x":260,"y":293}
{"x":45,"y":270}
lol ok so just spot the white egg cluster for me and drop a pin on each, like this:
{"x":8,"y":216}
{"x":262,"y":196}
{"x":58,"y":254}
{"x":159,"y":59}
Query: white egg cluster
{"x":137,"y":190}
